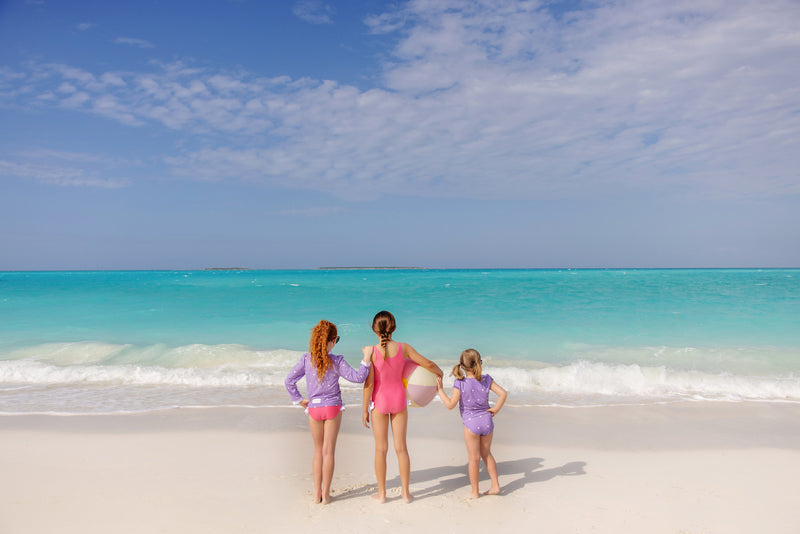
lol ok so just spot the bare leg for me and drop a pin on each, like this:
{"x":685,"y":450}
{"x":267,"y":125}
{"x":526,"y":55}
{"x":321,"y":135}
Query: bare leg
{"x":317,"y":434}
{"x":399,"y":430}
{"x":473,"y":442}
{"x":380,"y":429}
{"x":491,"y":465}
{"x":330,"y":434}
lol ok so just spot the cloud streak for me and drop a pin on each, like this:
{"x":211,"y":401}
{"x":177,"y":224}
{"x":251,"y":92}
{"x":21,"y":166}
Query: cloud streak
{"x":67,"y":169}
{"x":491,"y":100}
{"x":140,"y":43}
{"x":314,"y":12}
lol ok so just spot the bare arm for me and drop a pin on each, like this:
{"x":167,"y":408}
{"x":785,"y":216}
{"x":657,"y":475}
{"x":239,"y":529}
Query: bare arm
{"x":421,"y":360}
{"x":449,"y":402}
{"x":501,"y":398}
{"x":369,"y":385}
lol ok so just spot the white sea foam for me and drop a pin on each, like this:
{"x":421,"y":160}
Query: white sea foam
{"x":590,"y":379}
{"x":100,"y":377}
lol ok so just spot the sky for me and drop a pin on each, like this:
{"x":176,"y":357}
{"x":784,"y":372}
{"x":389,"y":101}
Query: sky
{"x":427,"y":133}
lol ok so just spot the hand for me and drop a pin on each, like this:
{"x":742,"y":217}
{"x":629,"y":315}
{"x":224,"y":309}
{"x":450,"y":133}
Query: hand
{"x":304,"y":403}
{"x":365,"y":418}
{"x":493,"y":410}
{"x":367,"y":354}
{"x":439,"y":383}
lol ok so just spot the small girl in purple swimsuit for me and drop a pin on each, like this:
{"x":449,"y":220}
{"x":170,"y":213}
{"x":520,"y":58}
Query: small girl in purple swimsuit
{"x":471,"y":393}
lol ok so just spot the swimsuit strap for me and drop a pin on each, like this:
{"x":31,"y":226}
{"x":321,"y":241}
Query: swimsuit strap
{"x":385,"y":356}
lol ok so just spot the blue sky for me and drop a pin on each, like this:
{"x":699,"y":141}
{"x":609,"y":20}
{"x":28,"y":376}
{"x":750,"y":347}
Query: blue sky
{"x":177,"y":134}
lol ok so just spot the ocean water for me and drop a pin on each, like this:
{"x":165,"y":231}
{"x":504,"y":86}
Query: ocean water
{"x":109,"y":342}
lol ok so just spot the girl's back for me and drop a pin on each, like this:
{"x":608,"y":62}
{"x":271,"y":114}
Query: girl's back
{"x":474,"y":398}
{"x":389,"y":394}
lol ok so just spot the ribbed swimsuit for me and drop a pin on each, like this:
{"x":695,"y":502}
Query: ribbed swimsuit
{"x":389,"y":395}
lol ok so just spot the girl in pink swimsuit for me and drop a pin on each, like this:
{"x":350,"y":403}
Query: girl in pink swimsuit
{"x":385,"y":395}
{"x":389,"y":395}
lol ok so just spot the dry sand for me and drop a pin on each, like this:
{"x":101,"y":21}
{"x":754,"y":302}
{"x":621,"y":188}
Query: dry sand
{"x":684,"y":468}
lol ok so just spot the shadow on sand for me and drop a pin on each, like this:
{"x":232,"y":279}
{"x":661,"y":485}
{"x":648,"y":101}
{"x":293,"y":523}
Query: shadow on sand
{"x":453,"y":477}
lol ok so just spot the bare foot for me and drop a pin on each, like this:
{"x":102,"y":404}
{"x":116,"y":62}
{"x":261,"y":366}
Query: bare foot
{"x":380,"y":498}
{"x":492,"y":491}
{"x":408,"y":498}
{"x":326,"y":499}
{"x":474,"y":495}
{"x":317,"y":499}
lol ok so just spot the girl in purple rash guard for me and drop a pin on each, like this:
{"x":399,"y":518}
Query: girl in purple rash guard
{"x":471,"y":393}
{"x":324,"y":403}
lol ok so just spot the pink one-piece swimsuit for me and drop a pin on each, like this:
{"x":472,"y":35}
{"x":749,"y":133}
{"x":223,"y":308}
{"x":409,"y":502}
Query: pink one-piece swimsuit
{"x":389,"y":395}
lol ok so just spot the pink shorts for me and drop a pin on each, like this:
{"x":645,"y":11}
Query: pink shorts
{"x":323,"y":413}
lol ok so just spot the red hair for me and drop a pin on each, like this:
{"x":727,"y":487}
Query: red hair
{"x":321,"y":335}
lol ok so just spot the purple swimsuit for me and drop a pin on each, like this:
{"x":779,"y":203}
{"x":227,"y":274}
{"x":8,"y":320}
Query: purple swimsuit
{"x":473,"y":404}
{"x":326,"y":392}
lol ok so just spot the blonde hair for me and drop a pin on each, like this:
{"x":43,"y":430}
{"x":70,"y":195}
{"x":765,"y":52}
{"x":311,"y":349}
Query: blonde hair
{"x":321,"y":335}
{"x":470,"y":361}
{"x":383,"y":324}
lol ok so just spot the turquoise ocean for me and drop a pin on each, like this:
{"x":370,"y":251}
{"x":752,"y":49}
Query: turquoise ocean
{"x":118,"y":342}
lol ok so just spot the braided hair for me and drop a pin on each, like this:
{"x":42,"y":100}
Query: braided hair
{"x":470,"y":361}
{"x":383,"y":324}
{"x":321,"y":335}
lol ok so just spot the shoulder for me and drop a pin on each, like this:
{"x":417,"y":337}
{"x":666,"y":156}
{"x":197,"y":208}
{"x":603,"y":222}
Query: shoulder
{"x":487,"y":380}
{"x":458,"y":383}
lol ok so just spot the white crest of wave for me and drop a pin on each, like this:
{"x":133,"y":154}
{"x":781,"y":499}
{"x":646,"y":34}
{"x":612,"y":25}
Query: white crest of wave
{"x":618,"y":380}
{"x":189,"y":365}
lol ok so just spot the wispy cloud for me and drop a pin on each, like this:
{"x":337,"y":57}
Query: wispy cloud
{"x":83,"y":26}
{"x":69,"y":169}
{"x":494,"y":99}
{"x":313,"y":212}
{"x":314,"y":11}
{"x":141,"y":43}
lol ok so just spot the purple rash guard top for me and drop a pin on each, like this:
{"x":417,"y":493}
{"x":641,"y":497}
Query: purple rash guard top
{"x":325,"y":392}
{"x":473,"y":403}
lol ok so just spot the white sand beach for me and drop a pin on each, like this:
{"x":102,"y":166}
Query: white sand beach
{"x":681,"y":468}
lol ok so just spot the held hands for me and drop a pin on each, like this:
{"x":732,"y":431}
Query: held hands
{"x":439,"y":383}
